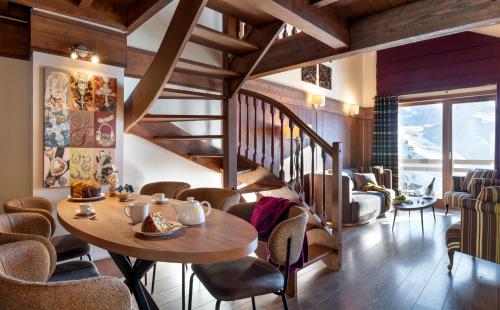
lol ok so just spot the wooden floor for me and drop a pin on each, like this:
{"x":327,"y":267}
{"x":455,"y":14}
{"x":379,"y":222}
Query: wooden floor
{"x":404,"y":269}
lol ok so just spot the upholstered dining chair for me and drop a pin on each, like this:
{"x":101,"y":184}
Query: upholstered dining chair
{"x":169,"y":188}
{"x":250,"y":276}
{"x":67,"y":246}
{"x":29,"y":277}
{"x":220,"y":198}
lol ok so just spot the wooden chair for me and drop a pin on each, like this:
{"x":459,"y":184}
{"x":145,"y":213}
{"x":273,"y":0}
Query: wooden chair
{"x":255,"y":276}
{"x":219,"y":198}
{"x":67,"y":246}
{"x":28,"y":264}
{"x":169,"y":188}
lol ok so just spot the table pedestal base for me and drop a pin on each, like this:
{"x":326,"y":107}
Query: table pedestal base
{"x":133,"y":275}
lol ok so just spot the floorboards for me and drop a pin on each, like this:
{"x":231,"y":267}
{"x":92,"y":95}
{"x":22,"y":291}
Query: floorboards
{"x":382,"y":269}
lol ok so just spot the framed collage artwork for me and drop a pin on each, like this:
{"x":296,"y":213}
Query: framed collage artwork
{"x":79,"y":127}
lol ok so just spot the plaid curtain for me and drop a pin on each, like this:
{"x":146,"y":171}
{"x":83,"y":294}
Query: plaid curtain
{"x":385,"y":135}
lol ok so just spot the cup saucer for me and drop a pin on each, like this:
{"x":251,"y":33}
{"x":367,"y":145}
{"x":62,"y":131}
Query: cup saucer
{"x":79,"y":213}
{"x":157,"y":201}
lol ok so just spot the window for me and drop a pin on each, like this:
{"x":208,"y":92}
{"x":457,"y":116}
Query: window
{"x":441,"y":138}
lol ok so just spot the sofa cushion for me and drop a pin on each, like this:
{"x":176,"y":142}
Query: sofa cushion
{"x":366,"y":206}
{"x":360,"y":179}
{"x":476,"y":173}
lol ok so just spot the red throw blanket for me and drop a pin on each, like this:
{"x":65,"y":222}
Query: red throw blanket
{"x":269,"y":212}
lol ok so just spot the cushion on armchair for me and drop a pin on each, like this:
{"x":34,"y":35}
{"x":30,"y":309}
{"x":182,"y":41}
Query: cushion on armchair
{"x":466,"y":186}
{"x":360,"y":179}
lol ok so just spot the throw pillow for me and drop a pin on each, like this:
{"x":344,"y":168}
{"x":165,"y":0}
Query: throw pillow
{"x":360,"y":179}
{"x":474,"y":174}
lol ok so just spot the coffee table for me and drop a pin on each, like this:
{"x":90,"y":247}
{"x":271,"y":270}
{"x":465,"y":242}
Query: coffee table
{"x":418,"y":204}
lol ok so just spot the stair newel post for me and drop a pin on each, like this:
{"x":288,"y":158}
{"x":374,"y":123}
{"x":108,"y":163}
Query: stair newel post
{"x":247,"y":127}
{"x":282,"y":148}
{"x":291,"y":126}
{"x":323,"y":186}
{"x":302,"y":164}
{"x":255,"y":130}
{"x":336,"y":192}
{"x":239,"y":124}
{"x":263,"y":159}
{"x":312,"y":189}
{"x":271,"y":164}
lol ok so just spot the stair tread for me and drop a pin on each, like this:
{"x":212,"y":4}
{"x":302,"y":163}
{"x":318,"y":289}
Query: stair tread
{"x":187,"y":138}
{"x":257,"y":187}
{"x":206,"y":155}
{"x":198,"y":68}
{"x":172,"y":93}
{"x":214,"y":39}
{"x":180,"y":118}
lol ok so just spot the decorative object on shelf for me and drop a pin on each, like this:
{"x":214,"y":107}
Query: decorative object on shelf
{"x":325,"y":76}
{"x":79,"y":127}
{"x":82,"y":51}
{"x":309,"y":74}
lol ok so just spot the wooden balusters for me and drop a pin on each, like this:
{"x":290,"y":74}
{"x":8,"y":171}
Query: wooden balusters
{"x":291,"y":125}
{"x":282,"y":148}
{"x":263,"y":159}
{"x":301,"y":171}
{"x":254,"y":130}
{"x":312,"y":194}
{"x":248,"y":127}
{"x":271,"y":164}
{"x":323,"y":186}
{"x":239,"y":124}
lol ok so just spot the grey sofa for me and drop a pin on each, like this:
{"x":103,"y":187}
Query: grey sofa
{"x":358,"y":207}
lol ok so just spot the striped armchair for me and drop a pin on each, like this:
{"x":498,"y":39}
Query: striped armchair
{"x":478,"y":232}
{"x":468,"y":187}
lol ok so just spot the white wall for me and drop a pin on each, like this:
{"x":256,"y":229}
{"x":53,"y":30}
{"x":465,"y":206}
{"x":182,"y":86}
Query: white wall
{"x":353,"y":80}
{"x":15,"y":133}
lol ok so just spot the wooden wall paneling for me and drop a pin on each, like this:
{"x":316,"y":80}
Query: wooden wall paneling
{"x":55,"y":35}
{"x":14,"y":39}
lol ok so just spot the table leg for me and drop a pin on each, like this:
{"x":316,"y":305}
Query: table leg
{"x":133,"y":275}
{"x":433,"y":213}
{"x":394,"y":220}
{"x":183,"y":287}
{"x":422,"y":218}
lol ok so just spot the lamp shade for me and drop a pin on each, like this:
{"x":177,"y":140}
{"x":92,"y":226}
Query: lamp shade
{"x":318,"y":100}
{"x":354,"y":109}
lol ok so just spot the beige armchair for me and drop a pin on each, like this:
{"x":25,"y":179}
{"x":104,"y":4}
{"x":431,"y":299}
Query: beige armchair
{"x":219,"y":198}
{"x":169,"y":188}
{"x":26,"y":265}
{"x":67,"y":246}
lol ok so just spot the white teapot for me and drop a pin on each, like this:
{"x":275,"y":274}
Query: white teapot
{"x":191,"y":212}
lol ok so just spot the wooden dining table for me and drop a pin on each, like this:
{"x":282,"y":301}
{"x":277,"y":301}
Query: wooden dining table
{"x":223,"y":237}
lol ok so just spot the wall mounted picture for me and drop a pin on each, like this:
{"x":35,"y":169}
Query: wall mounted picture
{"x":325,"y":76}
{"x":79,"y":127}
{"x":309,"y":74}
{"x":105,"y":93}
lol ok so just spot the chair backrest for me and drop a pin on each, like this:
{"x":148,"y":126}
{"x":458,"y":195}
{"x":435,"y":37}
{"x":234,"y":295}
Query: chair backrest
{"x":219,"y":198}
{"x":38,"y":205}
{"x":170,"y":189}
{"x":26,"y":260}
{"x":292,"y":228}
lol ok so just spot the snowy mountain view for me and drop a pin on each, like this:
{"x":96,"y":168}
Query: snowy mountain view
{"x":421,"y":140}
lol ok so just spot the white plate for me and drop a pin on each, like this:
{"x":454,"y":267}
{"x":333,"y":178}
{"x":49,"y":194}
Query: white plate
{"x":78,"y":213}
{"x":137,"y":229}
{"x":100,"y":197}
{"x":160,"y":201}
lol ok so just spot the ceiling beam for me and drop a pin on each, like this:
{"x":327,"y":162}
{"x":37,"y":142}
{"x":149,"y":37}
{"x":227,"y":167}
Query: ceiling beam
{"x":322,"y":3}
{"x":416,"y":21}
{"x":143,"y":10}
{"x":322,"y":24}
{"x":99,"y":13}
{"x":4,"y":5}
{"x":85,"y":3}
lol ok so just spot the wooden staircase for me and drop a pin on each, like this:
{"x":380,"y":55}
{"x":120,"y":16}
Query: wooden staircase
{"x":257,"y":165}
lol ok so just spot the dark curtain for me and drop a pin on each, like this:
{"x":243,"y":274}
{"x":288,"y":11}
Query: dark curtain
{"x":497,"y":132}
{"x":385,"y":136}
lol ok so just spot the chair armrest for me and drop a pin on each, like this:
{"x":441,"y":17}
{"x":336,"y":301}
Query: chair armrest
{"x":9,"y":237}
{"x":242,"y":210}
{"x":43,"y":212}
{"x":477,"y":184}
{"x":387,"y":178}
{"x":456,"y":183}
{"x":480,"y":206}
{"x":347,"y":187}
{"x":96,"y":293}
{"x":25,"y":223}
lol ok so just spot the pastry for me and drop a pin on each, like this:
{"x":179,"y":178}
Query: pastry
{"x":155,"y":222}
{"x":85,"y":189}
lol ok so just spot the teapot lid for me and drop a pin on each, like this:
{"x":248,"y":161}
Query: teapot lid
{"x":191,"y":200}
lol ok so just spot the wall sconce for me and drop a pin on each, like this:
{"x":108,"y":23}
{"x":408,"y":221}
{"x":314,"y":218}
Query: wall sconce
{"x":318,"y":101}
{"x":82,"y":51}
{"x":353,"y":109}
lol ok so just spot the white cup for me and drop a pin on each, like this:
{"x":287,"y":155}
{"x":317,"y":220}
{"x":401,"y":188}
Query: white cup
{"x":85,"y":208}
{"x":159,"y":196}
{"x":137,"y":211}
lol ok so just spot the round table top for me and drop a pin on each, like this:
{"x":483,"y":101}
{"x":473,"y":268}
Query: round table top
{"x":223,"y":237}
{"x":418,"y":204}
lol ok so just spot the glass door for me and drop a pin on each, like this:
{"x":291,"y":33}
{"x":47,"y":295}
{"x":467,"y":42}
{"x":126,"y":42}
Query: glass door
{"x":420,"y":148}
{"x":473,"y":136}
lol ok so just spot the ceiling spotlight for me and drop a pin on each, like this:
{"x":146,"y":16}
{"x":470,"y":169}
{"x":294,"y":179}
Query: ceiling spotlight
{"x":73,"y":54}
{"x":94,"y":59}
{"x":82,"y":51}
